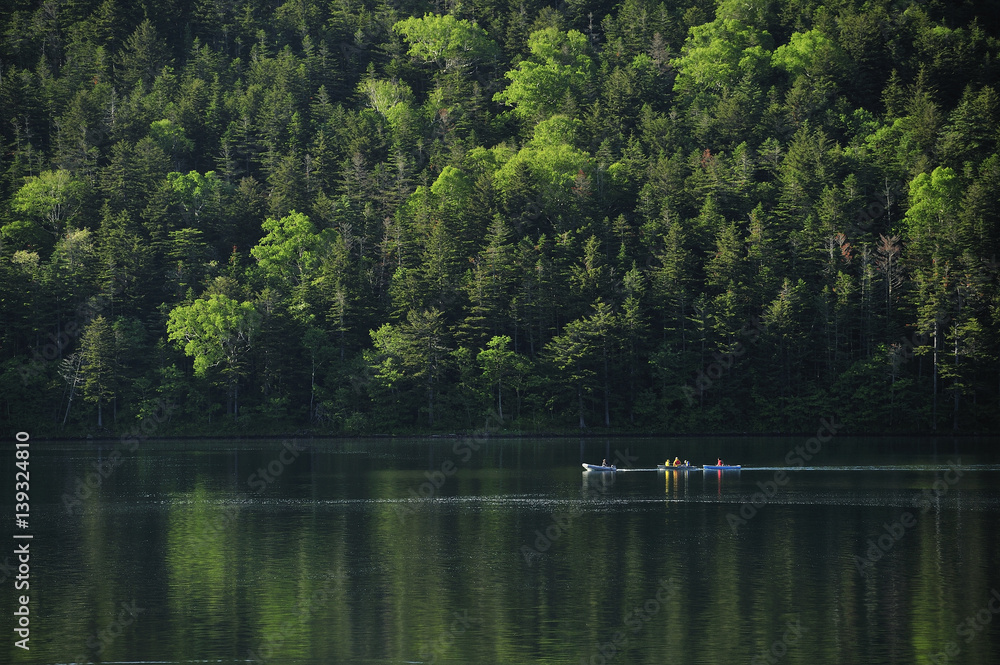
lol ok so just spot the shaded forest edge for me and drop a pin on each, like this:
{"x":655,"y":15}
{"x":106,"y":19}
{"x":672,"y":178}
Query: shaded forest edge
{"x":235,"y":218}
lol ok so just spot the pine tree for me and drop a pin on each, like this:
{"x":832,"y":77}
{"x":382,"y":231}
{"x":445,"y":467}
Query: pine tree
{"x":97,"y":350}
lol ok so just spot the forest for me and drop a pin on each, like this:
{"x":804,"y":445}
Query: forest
{"x":353,"y":217}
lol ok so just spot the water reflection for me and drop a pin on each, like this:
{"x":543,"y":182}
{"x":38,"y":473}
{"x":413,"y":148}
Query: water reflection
{"x":598,"y":482}
{"x":337,"y":560}
{"x":680,"y":481}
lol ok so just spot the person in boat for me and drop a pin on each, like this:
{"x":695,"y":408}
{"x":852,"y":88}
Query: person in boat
{"x":718,"y":462}
{"x":677,"y":461}
{"x":604,"y":462}
{"x":687,"y":463}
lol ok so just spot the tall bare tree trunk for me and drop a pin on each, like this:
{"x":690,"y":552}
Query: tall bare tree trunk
{"x":954,"y":424}
{"x":935,"y":370}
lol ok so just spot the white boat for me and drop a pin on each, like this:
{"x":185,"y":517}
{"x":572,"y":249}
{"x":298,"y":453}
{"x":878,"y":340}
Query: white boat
{"x":598,"y":467}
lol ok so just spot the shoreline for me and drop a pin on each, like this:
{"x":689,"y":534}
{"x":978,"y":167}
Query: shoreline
{"x":500,"y":436}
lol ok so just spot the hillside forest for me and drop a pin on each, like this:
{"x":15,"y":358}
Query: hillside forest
{"x":400,"y":216}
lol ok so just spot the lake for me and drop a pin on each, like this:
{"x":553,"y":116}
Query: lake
{"x":464,"y":550}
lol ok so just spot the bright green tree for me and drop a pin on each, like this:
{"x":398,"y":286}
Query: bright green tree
{"x":290,"y":251}
{"x":812,"y":53}
{"x":934,"y":232}
{"x":217,"y":331}
{"x":560,"y":66}
{"x":500,"y":365}
{"x":720,"y":54}
{"x":550,"y":164}
{"x":448,"y":42}
{"x":200,"y":196}
{"x":52,"y":200}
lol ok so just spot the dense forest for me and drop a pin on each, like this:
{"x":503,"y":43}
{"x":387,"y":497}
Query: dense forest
{"x":393,"y":216}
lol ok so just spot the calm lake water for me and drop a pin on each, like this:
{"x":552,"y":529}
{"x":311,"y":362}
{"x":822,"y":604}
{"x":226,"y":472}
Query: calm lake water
{"x":505,"y":551}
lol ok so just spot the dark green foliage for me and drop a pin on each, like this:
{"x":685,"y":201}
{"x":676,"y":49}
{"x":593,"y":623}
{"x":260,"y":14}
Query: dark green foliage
{"x":359,"y":216}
